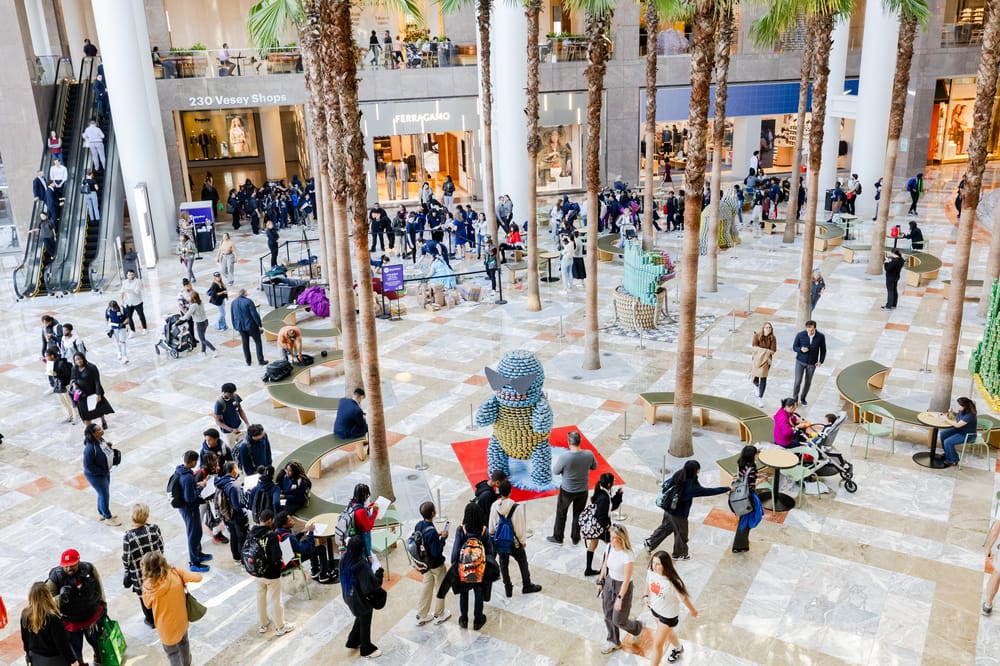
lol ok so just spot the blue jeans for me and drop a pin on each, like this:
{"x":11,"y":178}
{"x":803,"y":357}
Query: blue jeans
{"x":950,"y":438}
{"x":93,"y":206}
{"x":102,"y":486}
{"x":221,"y":325}
{"x":192,"y":525}
{"x":91,"y":633}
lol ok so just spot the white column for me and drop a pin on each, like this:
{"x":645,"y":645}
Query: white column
{"x":835,"y":86}
{"x":75,"y":22}
{"x":746,"y":139}
{"x":274,"y":144}
{"x":874,"y":99}
{"x":510,"y":79}
{"x":135,"y":110}
{"x":36,"y":26}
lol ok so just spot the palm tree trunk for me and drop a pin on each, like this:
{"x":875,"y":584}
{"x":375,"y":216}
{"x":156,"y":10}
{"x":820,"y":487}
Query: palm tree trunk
{"x":652,"y":32}
{"x":702,"y":51}
{"x":986,"y":92}
{"x":900,"y":82}
{"x":992,"y":267}
{"x":792,"y":216}
{"x":723,"y":45}
{"x":354,"y":163}
{"x":489,"y":197}
{"x":329,"y":235}
{"x":531,"y":11}
{"x":822,"y":26}
{"x":597,"y":55}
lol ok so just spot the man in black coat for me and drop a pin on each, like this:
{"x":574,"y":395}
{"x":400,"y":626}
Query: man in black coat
{"x":810,"y":353}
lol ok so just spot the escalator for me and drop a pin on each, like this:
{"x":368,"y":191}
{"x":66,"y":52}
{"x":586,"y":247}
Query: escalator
{"x":99,"y":265}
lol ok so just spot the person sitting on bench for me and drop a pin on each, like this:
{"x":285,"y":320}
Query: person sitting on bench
{"x":290,"y":341}
{"x":350,"y":422}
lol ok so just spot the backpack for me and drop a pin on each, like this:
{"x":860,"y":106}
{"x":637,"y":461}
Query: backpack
{"x":175,"y":491}
{"x":504,"y":538}
{"x":669,"y":497}
{"x":254,"y":557}
{"x":261,"y":502}
{"x":345,"y":527}
{"x":589,"y":527}
{"x":857,"y":190}
{"x":472,"y":561}
{"x":416,"y":546}
{"x":739,"y":499}
{"x":307,"y":359}
{"x":224,"y":505}
{"x":277,"y":370}
{"x":911,"y":185}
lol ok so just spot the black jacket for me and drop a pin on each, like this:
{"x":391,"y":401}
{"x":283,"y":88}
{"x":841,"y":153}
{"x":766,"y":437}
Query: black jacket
{"x":692,"y":489}
{"x":485,"y":496}
{"x":79,"y":596}
{"x":364,"y":583}
{"x":893,"y":268}
{"x":52,"y":641}
{"x":271,"y":547}
{"x":817,"y":348}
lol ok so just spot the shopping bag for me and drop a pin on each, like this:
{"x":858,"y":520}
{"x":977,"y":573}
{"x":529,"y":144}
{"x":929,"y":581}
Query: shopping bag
{"x":111,"y":643}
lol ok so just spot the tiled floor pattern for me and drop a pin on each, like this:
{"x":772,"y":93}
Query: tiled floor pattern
{"x":889,"y":575}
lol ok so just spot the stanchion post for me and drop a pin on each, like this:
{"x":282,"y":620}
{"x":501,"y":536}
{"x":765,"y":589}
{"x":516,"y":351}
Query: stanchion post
{"x":708,"y":346}
{"x":641,"y":346}
{"x":472,"y":423}
{"x":562,"y":333}
{"x":500,"y":300}
{"x":625,"y":436}
{"x":748,"y":305}
{"x":420,"y":447}
{"x":927,"y":358}
{"x":732,"y":329}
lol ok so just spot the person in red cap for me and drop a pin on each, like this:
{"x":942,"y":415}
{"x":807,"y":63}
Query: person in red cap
{"x":77,"y":589}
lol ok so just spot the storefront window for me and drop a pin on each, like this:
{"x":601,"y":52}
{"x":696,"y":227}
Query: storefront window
{"x":951,"y":122}
{"x":963,"y":22}
{"x":220,"y":134}
{"x":559,"y":158}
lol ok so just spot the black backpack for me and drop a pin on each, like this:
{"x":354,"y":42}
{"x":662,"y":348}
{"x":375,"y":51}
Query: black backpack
{"x":416,"y":546}
{"x":670,"y":496}
{"x":261,"y":502}
{"x":277,"y":370}
{"x":254,"y":556}
{"x":175,"y":491}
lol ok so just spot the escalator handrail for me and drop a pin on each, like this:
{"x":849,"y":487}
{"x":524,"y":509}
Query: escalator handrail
{"x":97,"y":268}
{"x":65,"y":270}
{"x":32,"y":244}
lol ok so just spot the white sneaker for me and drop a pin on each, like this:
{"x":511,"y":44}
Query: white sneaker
{"x":440,"y":619}
{"x":215,"y":354}
{"x":760,"y":402}
{"x":421,"y":621}
{"x":125,"y":360}
{"x":286,"y":628}
{"x":609,"y":647}
{"x":131,"y":334}
{"x":262,"y":629}
{"x":374,"y":655}
{"x":144,"y":331}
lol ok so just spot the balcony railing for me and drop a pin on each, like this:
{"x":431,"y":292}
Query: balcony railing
{"x":50,"y":69}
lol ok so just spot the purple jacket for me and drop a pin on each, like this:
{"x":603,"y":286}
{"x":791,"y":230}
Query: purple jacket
{"x":315,"y":298}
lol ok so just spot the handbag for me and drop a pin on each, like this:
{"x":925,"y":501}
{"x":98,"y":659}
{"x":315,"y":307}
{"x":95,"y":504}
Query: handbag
{"x":195,"y":609}
{"x":589,"y":527}
{"x":111,"y":643}
{"x":116,"y":457}
{"x":739,"y":498}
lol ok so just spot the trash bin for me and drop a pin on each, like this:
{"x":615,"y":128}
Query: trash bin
{"x":828,"y":201}
{"x":130,"y":262}
{"x":282,"y":291}
{"x":204,"y":237}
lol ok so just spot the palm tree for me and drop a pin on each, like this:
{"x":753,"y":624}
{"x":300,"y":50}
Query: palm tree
{"x":652,"y":37}
{"x":599,"y":15}
{"x":986,"y":92}
{"x":911,"y":13}
{"x":702,"y":53}
{"x":532,"y":10}
{"x":723,"y":45}
{"x":767,"y":31}
{"x":484,"y":10}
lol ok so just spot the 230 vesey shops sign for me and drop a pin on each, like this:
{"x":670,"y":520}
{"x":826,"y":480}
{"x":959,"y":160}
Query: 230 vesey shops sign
{"x":246,"y":100}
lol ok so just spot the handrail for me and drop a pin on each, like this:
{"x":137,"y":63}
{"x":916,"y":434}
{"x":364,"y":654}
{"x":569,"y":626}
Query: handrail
{"x":32,"y":245}
{"x":111,"y":222}
{"x":63,"y":273}
{"x":288,"y":257}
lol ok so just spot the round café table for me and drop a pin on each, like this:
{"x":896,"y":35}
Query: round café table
{"x":548,"y":257}
{"x":936,"y":420}
{"x":778,"y":459}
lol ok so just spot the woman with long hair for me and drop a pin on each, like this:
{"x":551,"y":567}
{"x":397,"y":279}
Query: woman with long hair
{"x":196,"y":313}
{"x":746,"y":469}
{"x":361,"y":587}
{"x":664,"y":593}
{"x":604,"y":503}
{"x":43,"y":635}
{"x":85,"y":381}
{"x":163,"y":592}
{"x":615,"y":586}
{"x":473,"y":527}
{"x":98,"y":459}
{"x":963,"y":423}
{"x":365,"y":513}
{"x":295,"y":486}
{"x":764,"y":347}
{"x":143,"y":538}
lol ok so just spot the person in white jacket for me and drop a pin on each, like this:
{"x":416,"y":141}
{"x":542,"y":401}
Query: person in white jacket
{"x":664,"y":593}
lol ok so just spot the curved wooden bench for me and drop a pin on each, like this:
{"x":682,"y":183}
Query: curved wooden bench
{"x":855,"y":381}
{"x":751,"y":420}
{"x":311,"y":453}
{"x":828,"y":235}
{"x":287,"y":315}
{"x":513,"y":267}
{"x":606,"y":249}
{"x":729,"y":470}
{"x":851,"y":251}
{"x":969,"y":296}
{"x":921,"y":268}
{"x":288,"y":392}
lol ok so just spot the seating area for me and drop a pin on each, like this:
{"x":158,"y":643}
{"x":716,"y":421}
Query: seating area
{"x":972,"y":292}
{"x":288,"y":392}
{"x":920,"y":268}
{"x":606,"y":249}
{"x":513,"y":268}
{"x":288,"y":315}
{"x":311,"y":454}
{"x":828,"y":235}
{"x":754,"y":424}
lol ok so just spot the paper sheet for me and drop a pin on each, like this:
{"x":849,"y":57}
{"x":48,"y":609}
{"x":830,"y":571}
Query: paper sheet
{"x":319,"y":529}
{"x":249,"y":481}
{"x":91,"y":402}
{"x":382,"y":504}
{"x":376,"y":565}
{"x":287,"y":554}
{"x":209,"y":488}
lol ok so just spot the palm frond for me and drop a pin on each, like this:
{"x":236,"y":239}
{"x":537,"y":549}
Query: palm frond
{"x":268,"y":20}
{"x":593,"y":7}
{"x":453,"y":6}
{"x":674,"y":10}
{"x":916,"y":9}
{"x":781,"y":15}
{"x":408,"y":6}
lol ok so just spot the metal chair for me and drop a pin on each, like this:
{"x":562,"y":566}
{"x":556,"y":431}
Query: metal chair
{"x":978,"y":439}
{"x":804,"y":470}
{"x":296,"y":565}
{"x":384,"y":538}
{"x":876,"y":422}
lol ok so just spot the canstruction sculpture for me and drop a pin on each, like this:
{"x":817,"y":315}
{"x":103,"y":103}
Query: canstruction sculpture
{"x":520,"y":416}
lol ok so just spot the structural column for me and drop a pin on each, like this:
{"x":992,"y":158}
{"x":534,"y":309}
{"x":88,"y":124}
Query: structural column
{"x":75,"y":24}
{"x":274,"y":145}
{"x":746,"y":139}
{"x":509,"y":35}
{"x":135,"y":111}
{"x":835,"y":87}
{"x":874,"y":100}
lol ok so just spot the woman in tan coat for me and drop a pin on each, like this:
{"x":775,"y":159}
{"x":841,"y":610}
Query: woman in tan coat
{"x":764,"y":346}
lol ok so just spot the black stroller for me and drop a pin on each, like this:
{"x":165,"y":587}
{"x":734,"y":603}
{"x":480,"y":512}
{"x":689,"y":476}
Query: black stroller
{"x":835,"y":461}
{"x":178,"y":336}
{"x":413,"y":57}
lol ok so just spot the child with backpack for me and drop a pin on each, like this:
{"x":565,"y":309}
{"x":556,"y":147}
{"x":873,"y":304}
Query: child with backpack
{"x":469,"y":558}
{"x":507,"y":528}
{"x":265,"y":496}
{"x":426,"y":548}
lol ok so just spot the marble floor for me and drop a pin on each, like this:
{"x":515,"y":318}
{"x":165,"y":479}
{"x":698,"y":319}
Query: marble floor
{"x":890,"y":575}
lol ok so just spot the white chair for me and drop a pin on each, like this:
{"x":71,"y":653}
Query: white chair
{"x":978,"y":439}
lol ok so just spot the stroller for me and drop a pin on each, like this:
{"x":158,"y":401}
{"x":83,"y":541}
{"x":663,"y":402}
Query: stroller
{"x":413,"y":57}
{"x":178,"y":336}
{"x":823,"y":443}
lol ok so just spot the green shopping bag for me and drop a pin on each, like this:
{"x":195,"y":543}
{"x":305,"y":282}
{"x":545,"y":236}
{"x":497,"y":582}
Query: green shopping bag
{"x":111,"y":643}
